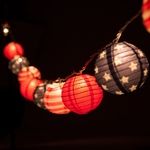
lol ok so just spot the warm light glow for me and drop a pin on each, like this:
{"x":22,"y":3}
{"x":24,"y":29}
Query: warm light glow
{"x":5,"y":31}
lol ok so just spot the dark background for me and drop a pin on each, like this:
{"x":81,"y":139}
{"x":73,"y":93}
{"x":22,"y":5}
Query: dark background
{"x":59,"y":37}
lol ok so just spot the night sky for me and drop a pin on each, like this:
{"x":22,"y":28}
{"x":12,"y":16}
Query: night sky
{"x":58,"y":38}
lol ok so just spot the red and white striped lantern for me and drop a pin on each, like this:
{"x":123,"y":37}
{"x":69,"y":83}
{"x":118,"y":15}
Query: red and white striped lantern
{"x":53,"y":100}
{"x":81,"y":93}
{"x":28,"y":73}
{"x":146,"y":14}
{"x":28,"y":87}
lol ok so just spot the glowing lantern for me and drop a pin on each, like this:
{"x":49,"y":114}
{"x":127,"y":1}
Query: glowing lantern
{"x":28,"y":73}
{"x":121,"y":68}
{"x":17,"y":63}
{"x":53,"y":100}
{"x":146,"y":14}
{"x":12,"y":49}
{"x":27,"y":88}
{"x":81,"y":93}
{"x":39,"y":95}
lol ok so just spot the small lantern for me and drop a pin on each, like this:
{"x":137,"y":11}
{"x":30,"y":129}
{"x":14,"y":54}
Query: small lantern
{"x":121,"y":68}
{"x":39,"y":95}
{"x":28,"y":87}
{"x":81,"y":93}
{"x":12,"y":49}
{"x":53,"y":100}
{"x":28,"y":73}
{"x":17,"y":63}
{"x":146,"y":14}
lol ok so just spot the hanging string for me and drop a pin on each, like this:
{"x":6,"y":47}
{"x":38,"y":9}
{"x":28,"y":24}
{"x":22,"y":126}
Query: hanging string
{"x":115,"y":41}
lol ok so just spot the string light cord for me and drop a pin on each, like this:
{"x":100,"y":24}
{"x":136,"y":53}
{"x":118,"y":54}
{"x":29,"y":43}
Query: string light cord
{"x":115,"y":41}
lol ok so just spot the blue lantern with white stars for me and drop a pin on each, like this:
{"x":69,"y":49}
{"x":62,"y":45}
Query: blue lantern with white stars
{"x":121,"y":68}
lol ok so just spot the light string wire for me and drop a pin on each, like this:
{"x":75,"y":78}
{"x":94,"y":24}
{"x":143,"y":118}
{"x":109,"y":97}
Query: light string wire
{"x":115,"y":41}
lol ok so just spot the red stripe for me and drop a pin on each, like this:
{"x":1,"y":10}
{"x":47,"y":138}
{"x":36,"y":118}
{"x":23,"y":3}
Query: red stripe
{"x":146,"y":6}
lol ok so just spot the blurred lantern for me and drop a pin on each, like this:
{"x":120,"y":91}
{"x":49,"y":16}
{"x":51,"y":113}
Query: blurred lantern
{"x":28,"y":87}
{"x":53,"y":100}
{"x":12,"y":49}
{"x":81,"y":93}
{"x":146,"y":14}
{"x":39,"y":95}
{"x":28,"y":73}
{"x":17,"y":63}
{"x":121,"y":68}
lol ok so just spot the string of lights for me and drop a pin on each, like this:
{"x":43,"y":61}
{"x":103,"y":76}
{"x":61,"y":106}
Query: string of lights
{"x":120,"y":67}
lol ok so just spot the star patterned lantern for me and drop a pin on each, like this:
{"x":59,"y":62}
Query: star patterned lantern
{"x":17,"y":63}
{"x":121,"y":68}
{"x":53,"y":100}
{"x":28,"y":73}
{"x":146,"y":14}
{"x":39,"y":95}
{"x":81,"y":94}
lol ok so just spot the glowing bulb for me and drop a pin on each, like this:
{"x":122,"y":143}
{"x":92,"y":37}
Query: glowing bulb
{"x":5,"y":31}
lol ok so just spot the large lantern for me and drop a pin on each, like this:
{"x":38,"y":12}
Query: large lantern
{"x":53,"y":100}
{"x":81,"y":93}
{"x":146,"y":14}
{"x":28,"y":87}
{"x":28,"y":73}
{"x":17,"y":63}
{"x":12,"y":49}
{"x":121,"y":68}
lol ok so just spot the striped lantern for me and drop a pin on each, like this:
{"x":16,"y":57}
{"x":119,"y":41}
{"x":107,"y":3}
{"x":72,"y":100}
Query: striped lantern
{"x":53,"y":100}
{"x":39,"y":95}
{"x":12,"y":49}
{"x":28,"y":73}
{"x":81,"y":94}
{"x":28,"y":87}
{"x":146,"y":14}
{"x":121,"y":68}
{"x":17,"y":63}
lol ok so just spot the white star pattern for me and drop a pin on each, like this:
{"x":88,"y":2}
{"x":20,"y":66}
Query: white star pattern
{"x":124,"y":79}
{"x":105,"y":87}
{"x":102,"y":54}
{"x":107,"y":76}
{"x":117,"y":61}
{"x":119,"y":92}
{"x":140,"y":53}
{"x":133,"y":66}
{"x":133,"y":88}
{"x":145,"y":72}
{"x":96,"y":69}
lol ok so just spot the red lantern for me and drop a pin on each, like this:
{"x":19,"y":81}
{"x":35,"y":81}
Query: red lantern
{"x":28,"y":73}
{"x":146,"y":14}
{"x":12,"y":49}
{"x":27,"y":88}
{"x":53,"y":100}
{"x":81,"y":94}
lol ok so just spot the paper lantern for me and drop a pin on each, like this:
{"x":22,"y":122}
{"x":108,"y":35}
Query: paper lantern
{"x":121,"y":68}
{"x":17,"y":63}
{"x":27,"y":88}
{"x":39,"y":95}
{"x":53,"y":100}
{"x":146,"y":14}
{"x":81,"y":94}
{"x":28,"y":73}
{"x":12,"y":49}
